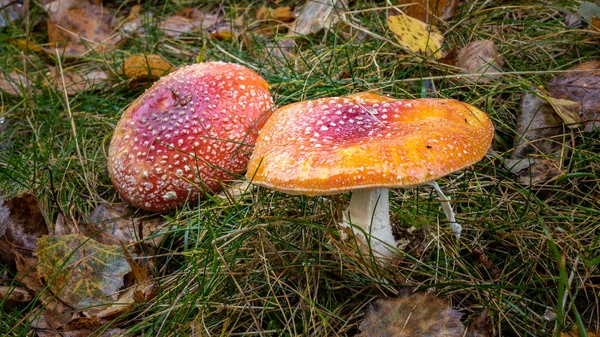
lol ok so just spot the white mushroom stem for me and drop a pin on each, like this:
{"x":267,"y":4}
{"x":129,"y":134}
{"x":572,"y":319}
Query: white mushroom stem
{"x":455,"y":226}
{"x":370,"y":210}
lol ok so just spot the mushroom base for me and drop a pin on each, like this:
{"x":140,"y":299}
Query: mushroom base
{"x":369,"y":210}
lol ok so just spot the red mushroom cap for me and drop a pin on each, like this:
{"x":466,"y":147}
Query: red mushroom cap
{"x":333,"y":145}
{"x":190,"y":130}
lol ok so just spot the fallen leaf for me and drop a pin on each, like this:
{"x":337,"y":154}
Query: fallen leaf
{"x":430,"y":11}
{"x":480,"y":326}
{"x":143,"y":68}
{"x":283,"y":14}
{"x":188,"y":20}
{"x":417,"y":315}
{"x":134,"y":22}
{"x":480,"y":57}
{"x":76,"y":31}
{"x":78,"y":80}
{"x":589,"y":11}
{"x":25,"y":44}
{"x":581,"y":84}
{"x":113,"y":225}
{"x":142,"y":290}
{"x":538,"y":142}
{"x":10,"y":11}
{"x":14,"y":83}
{"x":27,"y":274}
{"x":23,"y":224}
{"x":317,"y":15}
{"x":63,"y":226}
{"x":569,"y":111}
{"x":80,"y":271}
{"x":14,"y":295}
{"x":416,"y":35}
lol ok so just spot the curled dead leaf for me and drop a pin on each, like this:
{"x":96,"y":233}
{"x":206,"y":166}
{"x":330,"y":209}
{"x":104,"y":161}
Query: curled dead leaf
{"x":581,"y":84}
{"x":481,"y":57}
{"x":538,"y":142}
{"x":317,"y":15}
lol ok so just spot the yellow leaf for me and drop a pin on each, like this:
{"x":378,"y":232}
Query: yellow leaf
{"x":416,"y":35}
{"x":143,"y":67}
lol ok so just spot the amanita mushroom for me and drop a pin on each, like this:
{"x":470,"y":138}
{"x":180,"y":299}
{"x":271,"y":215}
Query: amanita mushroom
{"x":189,"y":131}
{"x":367,"y":143}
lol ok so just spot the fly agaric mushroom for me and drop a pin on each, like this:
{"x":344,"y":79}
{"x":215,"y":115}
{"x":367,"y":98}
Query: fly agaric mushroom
{"x":367,"y":143}
{"x":190,"y":130}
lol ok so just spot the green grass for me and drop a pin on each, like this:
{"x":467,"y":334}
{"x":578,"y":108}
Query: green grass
{"x":270,"y":262}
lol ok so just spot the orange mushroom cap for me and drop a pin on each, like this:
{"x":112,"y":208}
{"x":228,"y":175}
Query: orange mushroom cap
{"x":334,"y":145}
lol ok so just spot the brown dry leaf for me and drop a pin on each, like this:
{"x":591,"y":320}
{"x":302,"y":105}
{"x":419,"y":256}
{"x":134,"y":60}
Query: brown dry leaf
{"x":317,"y":15}
{"x":80,"y":271}
{"x":481,"y":57}
{"x":538,"y":142}
{"x":480,"y":326}
{"x":113,"y":225}
{"x":581,"y":84}
{"x":187,"y":20}
{"x":78,"y":30}
{"x":14,"y":295}
{"x":416,"y":36}
{"x":23,"y":224}
{"x":430,"y":11}
{"x":142,"y":68}
{"x":78,"y":80}
{"x":417,"y":315}
{"x":14,"y":83}
{"x":283,"y":14}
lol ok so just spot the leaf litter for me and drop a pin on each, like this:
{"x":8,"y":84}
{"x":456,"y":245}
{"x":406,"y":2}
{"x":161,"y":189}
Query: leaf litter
{"x":581,"y":84}
{"x":481,"y":57}
{"x":418,"y":315}
{"x":76,"y":29}
{"x":85,"y":273}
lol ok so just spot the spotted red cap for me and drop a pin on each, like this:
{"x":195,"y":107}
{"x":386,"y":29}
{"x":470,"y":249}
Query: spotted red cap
{"x":333,"y":145}
{"x":190,"y":130}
